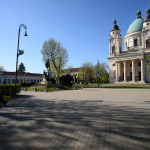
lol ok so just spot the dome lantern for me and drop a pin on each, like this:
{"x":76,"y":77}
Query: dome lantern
{"x":147,"y":18}
{"x":148,"y":11}
{"x":115,"y":22}
{"x":138,"y":14}
{"x":115,"y":26}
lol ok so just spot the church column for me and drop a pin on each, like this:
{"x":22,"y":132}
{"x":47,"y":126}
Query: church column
{"x":125,"y":78}
{"x":116,"y":70}
{"x":142,"y":70}
{"x":109,"y":47}
{"x":143,"y":43}
{"x":118,"y":46}
{"x":133,"y":71}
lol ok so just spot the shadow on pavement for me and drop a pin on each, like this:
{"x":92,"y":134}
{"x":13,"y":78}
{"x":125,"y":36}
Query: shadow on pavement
{"x":69,"y":124}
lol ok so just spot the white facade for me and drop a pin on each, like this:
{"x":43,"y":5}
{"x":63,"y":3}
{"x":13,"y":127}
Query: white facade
{"x":9,"y":77}
{"x":129,"y":65}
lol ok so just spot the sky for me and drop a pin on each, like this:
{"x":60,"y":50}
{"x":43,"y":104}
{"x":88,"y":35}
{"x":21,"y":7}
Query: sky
{"x":82,"y":26}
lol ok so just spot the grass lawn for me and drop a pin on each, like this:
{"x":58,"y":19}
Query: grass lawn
{"x":147,"y":86}
{"x":9,"y":98}
{"x":88,"y":85}
{"x":41,"y":89}
{"x":129,"y":86}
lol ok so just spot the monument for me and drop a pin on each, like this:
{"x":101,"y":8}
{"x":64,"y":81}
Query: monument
{"x":47,"y":78}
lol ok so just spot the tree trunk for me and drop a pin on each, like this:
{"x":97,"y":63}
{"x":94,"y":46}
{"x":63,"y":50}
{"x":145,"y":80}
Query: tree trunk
{"x":58,"y":78}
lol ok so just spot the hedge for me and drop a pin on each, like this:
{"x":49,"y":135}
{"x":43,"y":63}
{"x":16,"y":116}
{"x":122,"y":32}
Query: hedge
{"x":9,"y":89}
{"x":27,"y":84}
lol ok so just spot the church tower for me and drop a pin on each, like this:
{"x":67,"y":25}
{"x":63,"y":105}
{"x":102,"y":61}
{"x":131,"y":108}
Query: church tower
{"x":115,"y":40}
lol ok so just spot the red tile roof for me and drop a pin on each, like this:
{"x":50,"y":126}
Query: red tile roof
{"x":72,"y":70}
{"x":21,"y":73}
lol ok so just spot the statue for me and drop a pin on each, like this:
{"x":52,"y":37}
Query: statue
{"x":48,"y":75}
{"x":48,"y":79}
{"x":47,"y":64}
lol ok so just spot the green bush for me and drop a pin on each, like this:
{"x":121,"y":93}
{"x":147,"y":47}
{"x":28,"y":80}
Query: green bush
{"x":66,"y":84}
{"x":66,"y":80}
{"x":9,"y":89}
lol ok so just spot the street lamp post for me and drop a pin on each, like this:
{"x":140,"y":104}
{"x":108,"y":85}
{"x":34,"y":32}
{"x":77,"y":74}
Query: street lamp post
{"x":19,"y":52}
{"x":98,"y":72}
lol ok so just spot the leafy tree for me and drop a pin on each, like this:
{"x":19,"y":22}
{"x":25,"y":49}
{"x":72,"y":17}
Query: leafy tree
{"x":106,"y":77}
{"x":87,"y":71}
{"x":102,"y":70}
{"x":57,"y":55}
{"x":2,"y":68}
{"x":148,"y":64}
{"x":21,"y":68}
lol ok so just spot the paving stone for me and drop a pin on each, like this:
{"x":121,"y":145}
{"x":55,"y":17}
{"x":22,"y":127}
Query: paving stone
{"x":96,"y":119}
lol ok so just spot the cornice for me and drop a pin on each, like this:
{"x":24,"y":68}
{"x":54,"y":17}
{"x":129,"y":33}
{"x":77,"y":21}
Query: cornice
{"x":132,"y":34}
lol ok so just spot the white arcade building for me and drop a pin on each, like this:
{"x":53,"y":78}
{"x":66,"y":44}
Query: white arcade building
{"x":9,"y":77}
{"x":129,"y":65}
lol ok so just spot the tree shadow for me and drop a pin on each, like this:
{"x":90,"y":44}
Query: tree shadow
{"x":31,"y":123}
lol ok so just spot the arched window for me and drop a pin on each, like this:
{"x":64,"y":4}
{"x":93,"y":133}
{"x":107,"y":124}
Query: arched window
{"x":135,"y":42}
{"x":126,"y":45}
{"x":113,"y":49}
{"x":148,"y":43}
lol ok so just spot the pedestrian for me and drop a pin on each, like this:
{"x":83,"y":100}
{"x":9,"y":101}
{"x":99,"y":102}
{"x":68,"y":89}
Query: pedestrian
{"x":2,"y":100}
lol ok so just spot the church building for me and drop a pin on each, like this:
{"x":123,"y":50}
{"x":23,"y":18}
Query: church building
{"x":129,"y":65}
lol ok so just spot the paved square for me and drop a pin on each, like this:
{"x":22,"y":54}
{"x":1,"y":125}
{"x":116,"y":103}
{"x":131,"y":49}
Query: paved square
{"x":91,"y":118}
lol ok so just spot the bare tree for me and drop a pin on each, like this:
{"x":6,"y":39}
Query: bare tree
{"x":57,"y":55}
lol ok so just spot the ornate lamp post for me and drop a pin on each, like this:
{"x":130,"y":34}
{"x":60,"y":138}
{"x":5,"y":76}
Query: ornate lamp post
{"x":19,"y":52}
{"x":98,"y":72}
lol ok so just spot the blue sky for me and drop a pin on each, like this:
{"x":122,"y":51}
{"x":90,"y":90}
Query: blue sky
{"x":82,"y":26}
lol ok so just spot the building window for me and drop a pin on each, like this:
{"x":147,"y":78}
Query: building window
{"x":114,"y":64}
{"x":139,"y":64}
{"x":37,"y":81}
{"x":122,"y":65}
{"x":17,"y":81}
{"x":148,"y":43}
{"x":130,"y":65}
{"x":21,"y":80}
{"x":13,"y":81}
{"x":135,"y":42}
{"x":9,"y":80}
{"x":113,"y":49}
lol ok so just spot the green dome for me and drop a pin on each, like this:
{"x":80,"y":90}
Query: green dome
{"x":137,"y":25}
